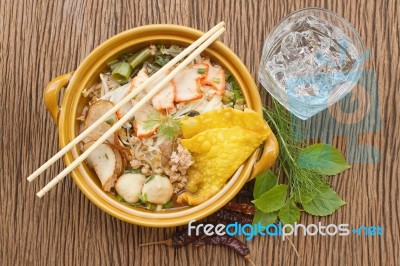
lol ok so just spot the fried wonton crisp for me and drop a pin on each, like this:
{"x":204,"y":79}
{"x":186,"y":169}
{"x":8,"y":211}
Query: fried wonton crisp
{"x":217,"y":153}
{"x":225,"y":118}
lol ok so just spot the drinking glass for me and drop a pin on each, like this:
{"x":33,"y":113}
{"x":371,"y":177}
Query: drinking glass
{"x":311,"y":60}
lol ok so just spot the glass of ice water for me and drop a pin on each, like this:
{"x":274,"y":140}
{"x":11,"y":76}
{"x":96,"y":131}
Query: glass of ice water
{"x":311,"y":60}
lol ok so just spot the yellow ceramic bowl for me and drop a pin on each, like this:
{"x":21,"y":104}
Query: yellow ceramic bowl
{"x":87,"y":74}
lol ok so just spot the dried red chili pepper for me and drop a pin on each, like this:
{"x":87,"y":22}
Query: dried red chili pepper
{"x":181,"y":238}
{"x":229,"y":241}
{"x":246,"y":208}
{"x":230,"y":216}
{"x":245,"y":193}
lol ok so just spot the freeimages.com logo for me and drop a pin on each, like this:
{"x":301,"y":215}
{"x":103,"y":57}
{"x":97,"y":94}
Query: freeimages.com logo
{"x":280,"y":230}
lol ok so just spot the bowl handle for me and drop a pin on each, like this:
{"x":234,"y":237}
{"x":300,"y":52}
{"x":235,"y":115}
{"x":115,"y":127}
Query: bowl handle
{"x":268,"y":156}
{"x":52,"y":94}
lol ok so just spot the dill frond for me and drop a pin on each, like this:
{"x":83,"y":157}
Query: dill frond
{"x":304,"y":182}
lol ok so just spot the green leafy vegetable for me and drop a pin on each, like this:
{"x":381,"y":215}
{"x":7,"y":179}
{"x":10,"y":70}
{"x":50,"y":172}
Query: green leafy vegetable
{"x":110,"y":121}
{"x":264,"y":182}
{"x":169,"y":126}
{"x":303,"y":182}
{"x":272,"y":200}
{"x":170,"y":129}
{"x":289,"y":213}
{"x":304,"y":167}
{"x":304,"y":194}
{"x":235,"y":89}
{"x":143,"y":198}
{"x":264,"y":218}
{"x":151,"y":68}
{"x":323,"y":158}
{"x":151,"y":206}
{"x":120,"y":198}
{"x":161,"y":59}
{"x":173,"y":50}
{"x":168,"y":205}
{"x":324,"y":203}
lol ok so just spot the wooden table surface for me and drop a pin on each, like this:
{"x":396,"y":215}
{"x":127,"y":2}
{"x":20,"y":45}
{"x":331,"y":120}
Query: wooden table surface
{"x":40,"y":40}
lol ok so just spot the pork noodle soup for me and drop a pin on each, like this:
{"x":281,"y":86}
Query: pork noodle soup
{"x":145,"y":164}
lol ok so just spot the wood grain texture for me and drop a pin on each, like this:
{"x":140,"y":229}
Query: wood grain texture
{"x":40,"y":40}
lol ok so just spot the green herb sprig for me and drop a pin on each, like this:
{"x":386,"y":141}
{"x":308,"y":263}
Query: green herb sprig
{"x":169,"y":127}
{"x":306,"y":169}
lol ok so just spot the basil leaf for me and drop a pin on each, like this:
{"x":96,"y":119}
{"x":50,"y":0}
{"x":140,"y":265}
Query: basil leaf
{"x":324,"y":203}
{"x":289,"y":213}
{"x":323,"y":158}
{"x":264,"y":182}
{"x":273,"y":199}
{"x":304,"y":196}
{"x":264,"y":218}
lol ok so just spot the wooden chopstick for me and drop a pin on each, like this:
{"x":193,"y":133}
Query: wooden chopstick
{"x":123,"y":102}
{"x":130,"y":96}
{"x":206,"y":42}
